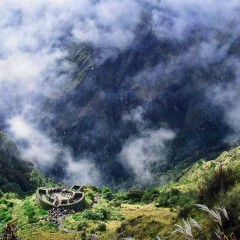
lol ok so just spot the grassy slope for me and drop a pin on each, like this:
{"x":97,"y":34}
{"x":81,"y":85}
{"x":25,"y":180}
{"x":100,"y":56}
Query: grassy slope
{"x":195,"y":174}
{"x":139,"y":220}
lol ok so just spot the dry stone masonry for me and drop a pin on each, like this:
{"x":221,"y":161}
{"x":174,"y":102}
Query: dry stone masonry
{"x":72,"y":198}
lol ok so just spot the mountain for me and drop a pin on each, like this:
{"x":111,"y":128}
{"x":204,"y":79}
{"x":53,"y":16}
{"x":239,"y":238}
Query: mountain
{"x":120,"y":92}
{"x":17,"y":175}
{"x":14,"y":172}
{"x":93,"y":116}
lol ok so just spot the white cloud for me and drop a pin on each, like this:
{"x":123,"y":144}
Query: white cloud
{"x":110,"y":24}
{"x":226,"y":95}
{"x":31,"y":50}
{"x":173,"y":19}
{"x":40,"y":150}
{"x":32,"y":57}
{"x":43,"y":153}
{"x":83,"y":172}
{"x":30,"y":36}
{"x":139,"y":153}
{"x":136,"y":115}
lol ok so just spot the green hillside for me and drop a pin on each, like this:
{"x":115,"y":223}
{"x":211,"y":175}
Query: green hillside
{"x":14,"y":172}
{"x":17,"y":175}
{"x":139,"y":214}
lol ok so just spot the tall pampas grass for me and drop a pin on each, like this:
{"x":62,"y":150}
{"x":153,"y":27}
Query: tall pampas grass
{"x":214,"y":214}
{"x":186,"y":229}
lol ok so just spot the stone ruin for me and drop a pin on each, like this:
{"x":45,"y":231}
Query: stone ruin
{"x":72,"y":198}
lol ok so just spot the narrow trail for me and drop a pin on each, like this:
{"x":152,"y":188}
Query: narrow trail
{"x":57,"y":215}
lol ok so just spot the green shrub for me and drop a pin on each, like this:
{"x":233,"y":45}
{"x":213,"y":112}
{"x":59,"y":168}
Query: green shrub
{"x":10,"y":204}
{"x":175,"y":198}
{"x":81,"y":226}
{"x":107,"y":194}
{"x":101,"y":214}
{"x":152,"y":232}
{"x":200,"y":164}
{"x":83,"y":236}
{"x":116,"y":203}
{"x":168,"y":198}
{"x":150,"y":195}
{"x":120,"y":196}
{"x":31,"y":216}
{"x":102,"y":227}
{"x":219,"y":181}
{"x":231,"y":201}
{"x":134,"y":195}
{"x":184,"y":211}
{"x":10,"y":195}
{"x":3,"y":201}
{"x":90,"y":196}
{"x":5,"y":216}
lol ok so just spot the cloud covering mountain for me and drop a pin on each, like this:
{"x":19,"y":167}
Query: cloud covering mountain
{"x":72,"y":73}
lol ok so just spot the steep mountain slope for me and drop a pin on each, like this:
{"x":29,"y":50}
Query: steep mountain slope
{"x":16,"y":175}
{"x":14,"y":172}
{"x":90,"y":115}
{"x":120,"y":91}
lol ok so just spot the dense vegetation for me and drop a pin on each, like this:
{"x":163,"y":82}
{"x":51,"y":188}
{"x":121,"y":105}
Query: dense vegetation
{"x":14,"y":172}
{"x":17,"y":175}
{"x":141,"y":214}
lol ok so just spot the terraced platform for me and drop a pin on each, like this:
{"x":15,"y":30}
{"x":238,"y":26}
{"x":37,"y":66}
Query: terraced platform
{"x":72,"y":198}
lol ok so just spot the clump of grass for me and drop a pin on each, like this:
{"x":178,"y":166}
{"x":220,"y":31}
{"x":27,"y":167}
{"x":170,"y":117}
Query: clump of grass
{"x":186,"y":229}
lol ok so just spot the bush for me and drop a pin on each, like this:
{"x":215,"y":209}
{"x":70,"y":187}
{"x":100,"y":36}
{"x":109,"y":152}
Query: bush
{"x":101,"y":214}
{"x":116,"y":203}
{"x":5,"y":217}
{"x":90,"y":196}
{"x":220,"y":180}
{"x":185,"y":210}
{"x":152,"y":232}
{"x":10,"y":195}
{"x":150,"y":195}
{"x":81,"y":226}
{"x":134,"y":195}
{"x":31,"y":216}
{"x":107,"y":194}
{"x":102,"y":227}
{"x":175,"y":198}
{"x":168,"y":198}
{"x":232,"y":203}
{"x":10,"y":204}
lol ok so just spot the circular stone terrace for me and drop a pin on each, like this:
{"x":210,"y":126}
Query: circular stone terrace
{"x":71,"y":198}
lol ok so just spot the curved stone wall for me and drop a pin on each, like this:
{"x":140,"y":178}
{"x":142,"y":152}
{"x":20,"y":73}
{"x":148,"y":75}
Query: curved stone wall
{"x":76,"y":202}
